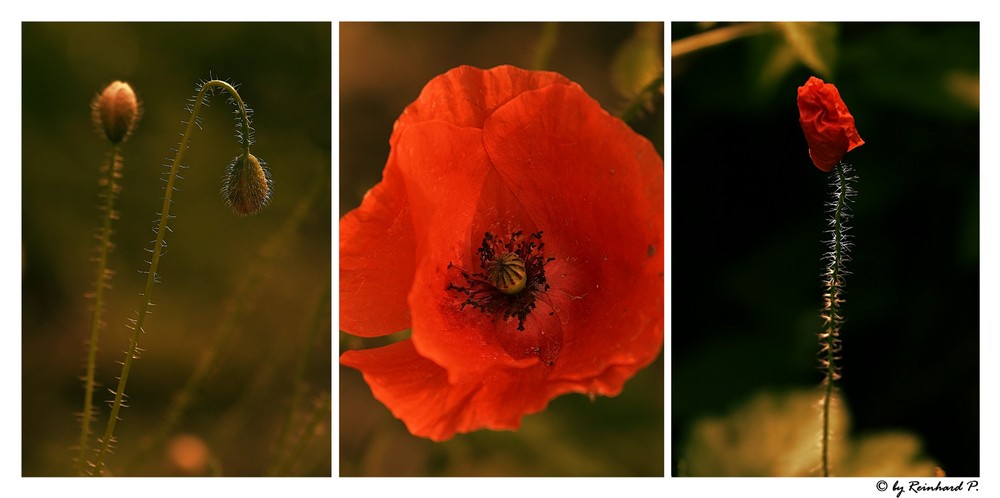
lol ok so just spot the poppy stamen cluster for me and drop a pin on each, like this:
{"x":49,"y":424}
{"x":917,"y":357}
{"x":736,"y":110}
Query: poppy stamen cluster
{"x":513,"y":274}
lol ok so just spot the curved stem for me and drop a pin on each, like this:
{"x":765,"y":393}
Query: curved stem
{"x":158,"y":245}
{"x":102,"y":280}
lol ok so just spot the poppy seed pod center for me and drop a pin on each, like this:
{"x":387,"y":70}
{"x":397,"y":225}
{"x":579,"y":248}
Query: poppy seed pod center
{"x":506,"y":273}
{"x":512,"y":277}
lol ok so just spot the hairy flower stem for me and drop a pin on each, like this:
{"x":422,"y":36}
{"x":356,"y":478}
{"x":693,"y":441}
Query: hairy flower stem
{"x":158,"y":245}
{"x":836,"y":257}
{"x":112,"y":170}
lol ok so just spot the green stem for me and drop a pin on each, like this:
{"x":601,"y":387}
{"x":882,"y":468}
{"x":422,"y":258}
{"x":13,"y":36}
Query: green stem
{"x":833,"y":298}
{"x":102,"y":282}
{"x":543,"y":51}
{"x":137,"y":326}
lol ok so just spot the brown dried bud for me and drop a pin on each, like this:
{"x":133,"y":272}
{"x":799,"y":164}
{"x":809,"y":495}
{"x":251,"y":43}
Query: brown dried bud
{"x":115,"y":111}
{"x":247,"y":184}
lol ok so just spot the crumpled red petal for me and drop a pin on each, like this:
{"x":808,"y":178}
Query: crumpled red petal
{"x":827,"y":124}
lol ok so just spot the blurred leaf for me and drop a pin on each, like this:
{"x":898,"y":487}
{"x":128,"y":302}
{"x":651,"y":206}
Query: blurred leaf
{"x":809,"y":43}
{"x":933,"y":67}
{"x":963,"y":86}
{"x":813,"y":43}
{"x":546,"y":42}
{"x":639,"y":61}
{"x":776,"y":435}
{"x":887,"y":454}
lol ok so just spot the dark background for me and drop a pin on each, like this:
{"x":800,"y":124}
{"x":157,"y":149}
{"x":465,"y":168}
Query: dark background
{"x":747,"y":221}
{"x":282,"y":317}
{"x":383,"y":67}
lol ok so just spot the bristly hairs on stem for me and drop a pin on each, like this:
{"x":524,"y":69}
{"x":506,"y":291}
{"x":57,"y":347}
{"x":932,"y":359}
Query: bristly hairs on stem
{"x":249,"y":173}
{"x":834,"y":280}
{"x":112,"y":172}
{"x":115,"y":112}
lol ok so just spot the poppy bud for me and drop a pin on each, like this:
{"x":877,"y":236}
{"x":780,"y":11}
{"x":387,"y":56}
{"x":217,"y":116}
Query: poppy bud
{"x":116,"y":111}
{"x":247,"y":184}
{"x":828,"y":125}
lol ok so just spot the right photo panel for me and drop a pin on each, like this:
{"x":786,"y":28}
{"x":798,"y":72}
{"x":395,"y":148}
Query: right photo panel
{"x":825,"y":249}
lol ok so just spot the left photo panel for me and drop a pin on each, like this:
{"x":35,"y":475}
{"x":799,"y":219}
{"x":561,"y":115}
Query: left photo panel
{"x":176,"y":249}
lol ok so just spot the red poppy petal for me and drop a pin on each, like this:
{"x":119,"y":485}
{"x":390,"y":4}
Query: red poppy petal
{"x":418,"y":392}
{"x":596,"y":189}
{"x":449,"y":178}
{"x":448,"y":97}
{"x":377,"y":260}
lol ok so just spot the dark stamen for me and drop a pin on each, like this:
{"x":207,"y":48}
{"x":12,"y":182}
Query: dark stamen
{"x":513,"y":273}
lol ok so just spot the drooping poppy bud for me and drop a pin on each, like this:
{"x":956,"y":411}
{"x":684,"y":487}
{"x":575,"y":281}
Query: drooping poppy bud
{"x":827,"y":124}
{"x":115,"y":111}
{"x":247,"y":184}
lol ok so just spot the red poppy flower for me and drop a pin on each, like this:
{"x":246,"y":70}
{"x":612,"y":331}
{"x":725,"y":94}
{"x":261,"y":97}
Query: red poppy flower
{"x":827,"y":124}
{"x":518,"y":232}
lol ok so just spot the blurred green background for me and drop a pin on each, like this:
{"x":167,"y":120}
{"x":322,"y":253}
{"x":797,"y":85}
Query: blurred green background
{"x":383,"y":67}
{"x":260,"y":283}
{"x":748,"y":216}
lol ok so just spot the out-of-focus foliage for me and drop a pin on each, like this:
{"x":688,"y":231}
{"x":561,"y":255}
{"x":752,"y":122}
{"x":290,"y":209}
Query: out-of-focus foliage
{"x":777,"y":435}
{"x":639,"y":61}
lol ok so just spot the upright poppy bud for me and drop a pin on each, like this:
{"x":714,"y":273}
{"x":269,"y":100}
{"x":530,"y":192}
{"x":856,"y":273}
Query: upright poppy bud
{"x":827,"y":124}
{"x":115,"y":111}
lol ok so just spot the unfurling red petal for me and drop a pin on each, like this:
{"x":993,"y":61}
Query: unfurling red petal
{"x":828,"y":125}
